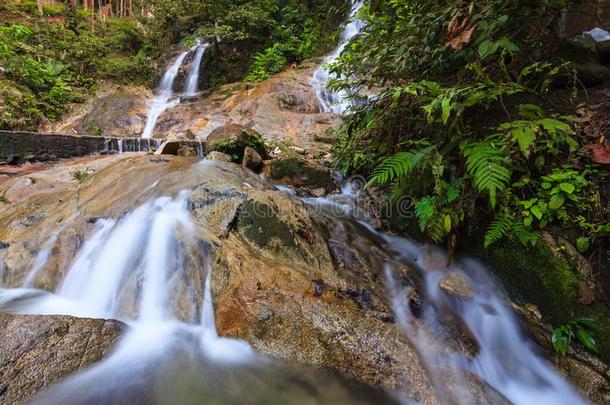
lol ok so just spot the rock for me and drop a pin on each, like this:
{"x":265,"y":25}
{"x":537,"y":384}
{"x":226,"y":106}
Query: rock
{"x":587,"y":373}
{"x":233,"y":139}
{"x":187,"y":151}
{"x":38,"y":351}
{"x":218,"y":156}
{"x":294,"y":170}
{"x":214,"y":207}
{"x":252,"y":160}
{"x":457,"y":285}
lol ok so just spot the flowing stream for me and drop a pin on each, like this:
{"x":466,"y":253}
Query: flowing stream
{"x":330,"y":101}
{"x":140,"y":267}
{"x":164,"y":97}
{"x":192,"y":81}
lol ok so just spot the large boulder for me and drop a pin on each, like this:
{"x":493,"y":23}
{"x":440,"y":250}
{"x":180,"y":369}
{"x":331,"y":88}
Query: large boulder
{"x":38,"y":351}
{"x":233,"y":139}
{"x":294,"y":170}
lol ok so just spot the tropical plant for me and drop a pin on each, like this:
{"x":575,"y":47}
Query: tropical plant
{"x":582,"y":329}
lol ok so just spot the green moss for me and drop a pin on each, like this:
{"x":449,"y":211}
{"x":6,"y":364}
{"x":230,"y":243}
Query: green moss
{"x":235,"y":146}
{"x":259,"y":223}
{"x":294,"y":167}
{"x":534,"y":275}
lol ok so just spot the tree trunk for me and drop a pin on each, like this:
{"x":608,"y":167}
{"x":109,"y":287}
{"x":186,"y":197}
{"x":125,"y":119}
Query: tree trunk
{"x":39,"y":5}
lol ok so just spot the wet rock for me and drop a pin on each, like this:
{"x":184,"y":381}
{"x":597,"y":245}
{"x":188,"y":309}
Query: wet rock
{"x":292,"y":169}
{"x":219,"y":156}
{"x":457,"y":285}
{"x":587,"y":373}
{"x":233,"y":139}
{"x":187,"y":151}
{"x":37,"y":351}
{"x":252,"y":160}
{"x":215,"y":206}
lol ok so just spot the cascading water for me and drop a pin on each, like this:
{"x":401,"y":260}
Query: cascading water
{"x":506,"y":358}
{"x":192,"y":82}
{"x":164,"y":99}
{"x":130,"y":268}
{"x":336,"y":102}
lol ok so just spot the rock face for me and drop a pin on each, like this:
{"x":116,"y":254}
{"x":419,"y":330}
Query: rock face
{"x":37,"y":351}
{"x":282,"y":107}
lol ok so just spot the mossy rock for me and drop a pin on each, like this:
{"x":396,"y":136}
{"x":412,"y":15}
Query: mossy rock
{"x":260,"y":224}
{"x":294,"y":170}
{"x":534,"y":275}
{"x":233,"y":139}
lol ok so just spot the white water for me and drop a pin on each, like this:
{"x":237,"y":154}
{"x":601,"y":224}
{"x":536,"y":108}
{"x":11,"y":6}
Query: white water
{"x":164,"y":99}
{"x":192,"y":81}
{"x":336,"y":102}
{"x":507,"y":360}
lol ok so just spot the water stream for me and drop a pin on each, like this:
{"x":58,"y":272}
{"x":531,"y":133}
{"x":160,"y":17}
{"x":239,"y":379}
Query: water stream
{"x":330,"y":101}
{"x":164,"y":96}
{"x":506,"y":359}
{"x":192,"y":81}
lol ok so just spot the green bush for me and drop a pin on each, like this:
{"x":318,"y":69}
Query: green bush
{"x":266,"y":63}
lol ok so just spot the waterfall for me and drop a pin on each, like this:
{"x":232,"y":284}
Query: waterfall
{"x":164,"y":98}
{"x":336,"y":102}
{"x":506,"y":360}
{"x":192,"y":81}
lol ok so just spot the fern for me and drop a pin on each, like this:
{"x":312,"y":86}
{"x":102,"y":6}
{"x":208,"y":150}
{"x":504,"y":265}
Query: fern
{"x":485,"y":162}
{"x":497,"y":230}
{"x":399,"y":165}
{"x":425,"y":209}
{"x":503,"y":226}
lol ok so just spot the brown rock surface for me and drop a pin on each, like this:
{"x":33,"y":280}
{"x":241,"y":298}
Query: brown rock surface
{"x":37,"y":351}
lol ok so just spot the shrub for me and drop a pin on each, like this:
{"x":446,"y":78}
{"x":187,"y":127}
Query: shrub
{"x":268,"y":62}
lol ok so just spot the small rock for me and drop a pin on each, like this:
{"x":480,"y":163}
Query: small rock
{"x":252,"y":160}
{"x":319,"y":287}
{"x":218,"y":156}
{"x":187,"y":151}
{"x":457,"y":285}
{"x":4,"y":245}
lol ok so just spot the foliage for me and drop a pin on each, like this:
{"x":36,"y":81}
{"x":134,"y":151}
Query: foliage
{"x":266,"y":63}
{"x":582,"y":328}
{"x":49,"y":63}
{"x":462,"y":123}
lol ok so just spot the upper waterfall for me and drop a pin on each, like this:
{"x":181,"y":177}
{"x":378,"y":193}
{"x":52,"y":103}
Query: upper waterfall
{"x":164,"y":98}
{"x":331,"y":101}
{"x":192,"y":82}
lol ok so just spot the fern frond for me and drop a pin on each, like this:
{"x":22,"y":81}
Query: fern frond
{"x":486,"y":163}
{"x":525,"y":235}
{"x":497,"y":230}
{"x":504,"y":226}
{"x":399,"y":165}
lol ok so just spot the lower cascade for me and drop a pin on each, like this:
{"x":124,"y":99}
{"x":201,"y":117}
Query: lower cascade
{"x":153,"y":267}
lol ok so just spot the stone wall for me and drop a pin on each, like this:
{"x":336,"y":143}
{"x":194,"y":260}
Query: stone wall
{"x":23,"y":146}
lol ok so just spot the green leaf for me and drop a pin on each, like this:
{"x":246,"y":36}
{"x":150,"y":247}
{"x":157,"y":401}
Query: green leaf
{"x":487,"y":48}
{"x":560,"y":341}
{"x":447,"y":223}
{"x":586,"y":339}
{"x":537,"y":212}
{"x":556,"y":202}
{"x":546,"y":185}
{"x":582,"y":244}
{"x":527,"y":221}
{"x":588,"y":322}
{"x":567,"y":187}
